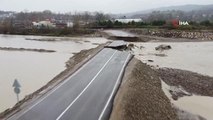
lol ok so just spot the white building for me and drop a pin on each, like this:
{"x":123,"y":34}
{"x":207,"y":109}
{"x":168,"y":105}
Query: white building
{"x":44,"y":24}
{"x":49,"y":24}
{"x":128,"y":20}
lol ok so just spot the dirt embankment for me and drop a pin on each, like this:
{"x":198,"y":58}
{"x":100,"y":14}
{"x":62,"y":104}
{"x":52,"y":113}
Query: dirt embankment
{"x":25,"y":49}
{"x":172,"y":35}
{"x":140,"y":96}
{"x":73,"y":64}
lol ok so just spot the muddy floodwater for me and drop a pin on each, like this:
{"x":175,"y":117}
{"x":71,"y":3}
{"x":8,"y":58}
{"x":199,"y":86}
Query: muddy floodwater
{"x":192,"y":56}
{"x":34,"y":69}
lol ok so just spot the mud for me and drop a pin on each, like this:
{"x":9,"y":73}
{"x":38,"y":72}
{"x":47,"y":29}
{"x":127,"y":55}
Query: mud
{"x":47,"y":39}
{"x":25,"y":49}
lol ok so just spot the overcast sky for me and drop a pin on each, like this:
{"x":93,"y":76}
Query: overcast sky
{"x":107,"y":6}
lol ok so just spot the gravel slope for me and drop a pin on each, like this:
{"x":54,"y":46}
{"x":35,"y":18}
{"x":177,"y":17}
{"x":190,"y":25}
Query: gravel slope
{"x":140,"y":96}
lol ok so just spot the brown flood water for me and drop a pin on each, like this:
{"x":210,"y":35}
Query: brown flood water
{"x":33,"y":69}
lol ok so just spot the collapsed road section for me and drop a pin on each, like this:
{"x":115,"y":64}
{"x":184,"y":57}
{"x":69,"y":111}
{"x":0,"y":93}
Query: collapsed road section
{"x":86,"y":95}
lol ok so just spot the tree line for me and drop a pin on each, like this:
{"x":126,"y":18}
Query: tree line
{"x":92,"y":20}
{"x":21,"y":23}
{"x":154,"y":23}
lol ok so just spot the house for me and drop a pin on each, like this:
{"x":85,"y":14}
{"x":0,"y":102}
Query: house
{"x":44,"y":24}
{"x":52,"y":24}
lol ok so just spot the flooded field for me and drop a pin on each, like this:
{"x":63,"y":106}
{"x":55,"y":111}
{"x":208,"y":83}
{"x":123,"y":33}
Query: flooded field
{"x":35,"y":69}
{"x":192,"y":56}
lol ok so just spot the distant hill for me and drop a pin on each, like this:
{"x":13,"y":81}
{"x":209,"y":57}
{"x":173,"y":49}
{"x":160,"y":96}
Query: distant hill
{"x":184,"y":8}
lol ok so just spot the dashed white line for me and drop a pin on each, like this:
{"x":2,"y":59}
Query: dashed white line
{"x":59,"y":117}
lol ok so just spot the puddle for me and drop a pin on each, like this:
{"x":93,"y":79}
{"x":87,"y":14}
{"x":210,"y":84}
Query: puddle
{"x":32,"y":69}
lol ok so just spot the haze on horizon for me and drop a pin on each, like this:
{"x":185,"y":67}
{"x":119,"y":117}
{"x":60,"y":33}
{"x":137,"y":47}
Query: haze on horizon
{"x":107,"y":6}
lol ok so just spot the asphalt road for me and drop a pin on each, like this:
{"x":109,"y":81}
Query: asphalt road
{"x":86,"y":95}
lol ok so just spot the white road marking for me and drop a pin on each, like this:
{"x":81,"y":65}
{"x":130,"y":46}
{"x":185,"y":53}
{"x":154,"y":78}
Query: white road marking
{"x":50,"y":92}
{"x":116,"y":84}
{"x":59,"y":117}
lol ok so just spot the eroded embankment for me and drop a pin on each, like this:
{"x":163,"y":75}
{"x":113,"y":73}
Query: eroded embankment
{"x":140,"y":96}
{"x":73,"y":64}
{"x":191,"y":82}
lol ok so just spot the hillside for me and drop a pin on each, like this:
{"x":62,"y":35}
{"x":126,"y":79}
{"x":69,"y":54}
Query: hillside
{"x":185,"y":12}
{"x":195,"y":9}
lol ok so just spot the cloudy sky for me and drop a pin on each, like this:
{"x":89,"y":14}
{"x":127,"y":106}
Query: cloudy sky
{"x":107,"y":6}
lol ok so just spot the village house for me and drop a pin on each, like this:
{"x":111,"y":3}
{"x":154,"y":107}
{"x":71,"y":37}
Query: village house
{"x":44,"y":24}
{"x":52,"y":24}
